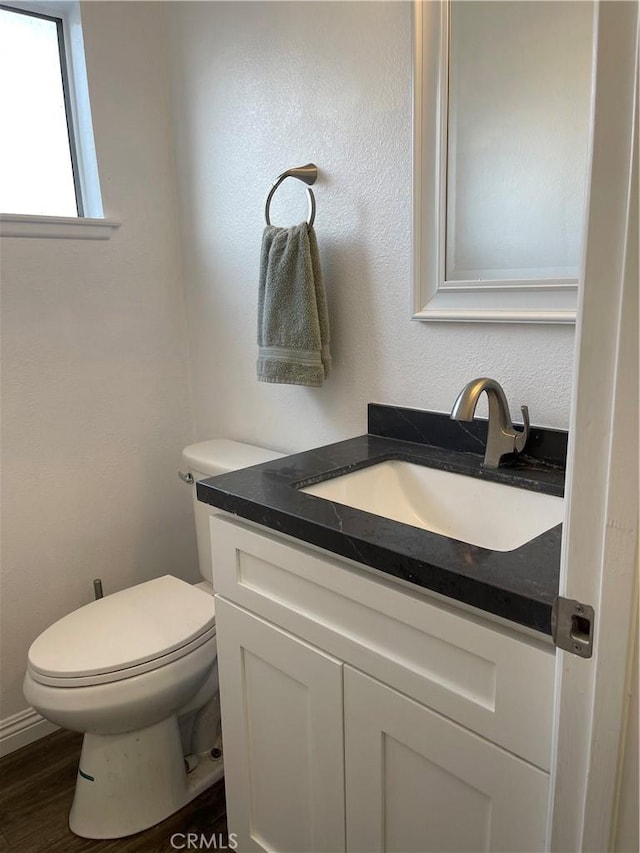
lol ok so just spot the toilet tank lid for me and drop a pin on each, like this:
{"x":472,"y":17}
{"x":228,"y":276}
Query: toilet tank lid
{"x":220,"y":455}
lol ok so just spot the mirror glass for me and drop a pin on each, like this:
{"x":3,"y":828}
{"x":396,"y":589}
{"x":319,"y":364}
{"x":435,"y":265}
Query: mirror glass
{"x":517,"y":138}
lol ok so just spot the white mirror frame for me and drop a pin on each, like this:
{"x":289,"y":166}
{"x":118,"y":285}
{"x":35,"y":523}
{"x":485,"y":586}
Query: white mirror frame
{"x":545,"y":300}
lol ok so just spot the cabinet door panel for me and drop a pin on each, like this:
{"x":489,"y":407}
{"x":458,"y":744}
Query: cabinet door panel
{"x":283,"y":737}
{"x":417,"y":782}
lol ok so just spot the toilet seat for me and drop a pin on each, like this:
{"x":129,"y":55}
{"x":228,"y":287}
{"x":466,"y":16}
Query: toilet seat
{"x":130,"y":632}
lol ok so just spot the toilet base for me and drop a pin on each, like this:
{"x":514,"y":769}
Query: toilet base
{"x":129,"y":782}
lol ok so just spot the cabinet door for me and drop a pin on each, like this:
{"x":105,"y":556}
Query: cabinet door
{"x":282,"y":730}
{"x":416,"y":782}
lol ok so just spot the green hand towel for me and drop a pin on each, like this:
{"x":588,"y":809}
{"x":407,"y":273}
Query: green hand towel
{"x":293,"y":324}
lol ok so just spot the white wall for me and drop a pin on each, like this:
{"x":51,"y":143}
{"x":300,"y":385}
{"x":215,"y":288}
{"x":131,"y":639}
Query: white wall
{"x":258,"y":88}
{"x":95,"y":404}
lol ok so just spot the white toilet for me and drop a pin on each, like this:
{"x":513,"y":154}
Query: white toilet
{"x":136,"y":671}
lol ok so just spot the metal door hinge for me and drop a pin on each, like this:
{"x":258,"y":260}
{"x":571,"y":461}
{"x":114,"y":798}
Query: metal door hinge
{"x":572,"y":626}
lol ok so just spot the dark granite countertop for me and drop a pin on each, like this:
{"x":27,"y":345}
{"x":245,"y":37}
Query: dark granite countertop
{"x":519,"y":585}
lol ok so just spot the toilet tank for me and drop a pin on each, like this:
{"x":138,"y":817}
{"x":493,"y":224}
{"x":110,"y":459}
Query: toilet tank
{"x":207,"y":459}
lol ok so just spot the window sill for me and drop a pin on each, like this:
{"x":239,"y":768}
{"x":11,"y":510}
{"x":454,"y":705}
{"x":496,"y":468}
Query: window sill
{"x":58,"y":227}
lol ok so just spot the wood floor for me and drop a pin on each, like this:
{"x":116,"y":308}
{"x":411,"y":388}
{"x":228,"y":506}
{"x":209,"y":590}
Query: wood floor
{"x":36,"y":791}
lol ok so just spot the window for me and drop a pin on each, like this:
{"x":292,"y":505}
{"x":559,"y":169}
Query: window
{"x":38,"y":164}
{"x":48,"y":168}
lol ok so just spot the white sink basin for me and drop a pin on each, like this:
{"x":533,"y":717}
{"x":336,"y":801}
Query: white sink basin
{"x":479,"y":512}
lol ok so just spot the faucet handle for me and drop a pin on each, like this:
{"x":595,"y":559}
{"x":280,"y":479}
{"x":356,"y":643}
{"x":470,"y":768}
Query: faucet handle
{"x":521,"y":438}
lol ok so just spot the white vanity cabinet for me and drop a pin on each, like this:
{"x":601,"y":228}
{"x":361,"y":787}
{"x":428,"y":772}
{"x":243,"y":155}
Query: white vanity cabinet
{"x":359,"y":715}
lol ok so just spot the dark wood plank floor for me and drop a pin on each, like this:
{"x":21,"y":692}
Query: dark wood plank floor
{"x":36,"y":791}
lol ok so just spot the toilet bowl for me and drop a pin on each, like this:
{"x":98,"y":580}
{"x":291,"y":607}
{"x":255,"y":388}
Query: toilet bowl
{"x":136,"y":672}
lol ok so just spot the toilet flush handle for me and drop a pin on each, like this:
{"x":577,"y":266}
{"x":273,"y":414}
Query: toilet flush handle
{"x":186,"y":478}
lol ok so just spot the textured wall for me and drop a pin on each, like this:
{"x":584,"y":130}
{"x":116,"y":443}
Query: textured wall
{"x":95,"y":406}
{"x":261,"y":87}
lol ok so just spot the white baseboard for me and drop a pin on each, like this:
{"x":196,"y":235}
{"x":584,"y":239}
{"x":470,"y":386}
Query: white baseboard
{"x":23,"y":728}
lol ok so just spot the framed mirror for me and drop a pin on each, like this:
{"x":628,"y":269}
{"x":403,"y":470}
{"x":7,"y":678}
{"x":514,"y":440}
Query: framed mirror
{"x":502,"y":118}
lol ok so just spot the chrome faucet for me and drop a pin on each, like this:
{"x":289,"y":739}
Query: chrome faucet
{"x":502,"y":437}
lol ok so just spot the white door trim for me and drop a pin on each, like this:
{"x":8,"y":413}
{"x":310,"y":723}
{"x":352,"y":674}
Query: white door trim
{"x":599,"y":550}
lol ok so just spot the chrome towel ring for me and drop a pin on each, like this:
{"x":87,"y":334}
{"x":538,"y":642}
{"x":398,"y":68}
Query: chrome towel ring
{"x":308,"y":174}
